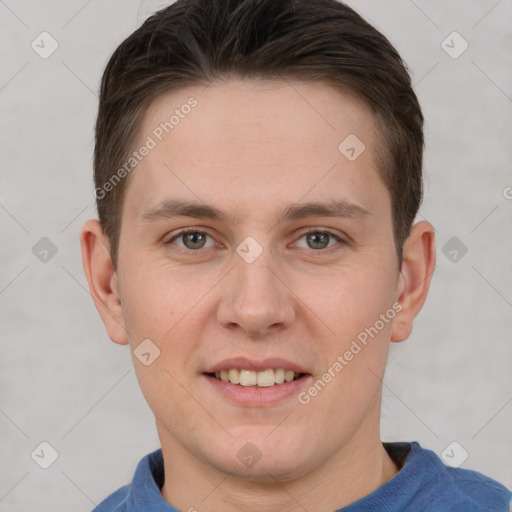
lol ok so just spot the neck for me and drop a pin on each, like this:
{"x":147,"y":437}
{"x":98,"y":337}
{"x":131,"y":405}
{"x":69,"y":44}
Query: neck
{"x":358,"y":469}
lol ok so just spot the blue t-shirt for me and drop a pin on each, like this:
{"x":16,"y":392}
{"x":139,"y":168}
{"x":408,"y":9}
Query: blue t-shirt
{"x":424,"y":484}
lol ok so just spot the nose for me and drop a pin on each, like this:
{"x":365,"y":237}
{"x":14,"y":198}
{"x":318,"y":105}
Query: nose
{"x":256,"y":299}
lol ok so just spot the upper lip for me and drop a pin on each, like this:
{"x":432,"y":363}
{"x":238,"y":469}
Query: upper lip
{"x":243,"y":363}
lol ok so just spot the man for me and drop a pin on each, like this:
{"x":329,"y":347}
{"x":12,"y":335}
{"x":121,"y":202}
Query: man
{"x":258,"y":171}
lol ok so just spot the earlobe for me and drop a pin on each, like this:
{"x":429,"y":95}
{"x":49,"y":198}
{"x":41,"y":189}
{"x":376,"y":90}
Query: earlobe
{"x":102,"y":279}
{"x":415,"y":276}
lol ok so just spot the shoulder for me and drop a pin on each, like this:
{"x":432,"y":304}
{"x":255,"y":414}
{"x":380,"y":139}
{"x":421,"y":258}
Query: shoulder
{"x":449,"y":489}
{"x":116,"y":502}
{"x":144,"y":487}
{"x":477,"y":492}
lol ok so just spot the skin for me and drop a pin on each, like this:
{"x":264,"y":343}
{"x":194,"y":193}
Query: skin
{"x":250,"y":149}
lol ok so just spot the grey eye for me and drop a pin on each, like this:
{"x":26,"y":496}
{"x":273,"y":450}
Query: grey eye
{"x":318,"y":240}
{"x":193,"y":239}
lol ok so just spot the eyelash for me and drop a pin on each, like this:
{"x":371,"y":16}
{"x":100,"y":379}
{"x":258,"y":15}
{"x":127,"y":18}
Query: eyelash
{"x":328,"y":250}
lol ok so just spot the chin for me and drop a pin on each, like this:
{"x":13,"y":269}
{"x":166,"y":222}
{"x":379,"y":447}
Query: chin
{"x":266,"y":470}
{"x":257,"y":457}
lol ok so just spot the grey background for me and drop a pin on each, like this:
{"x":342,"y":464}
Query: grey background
{"x":64,"y":382}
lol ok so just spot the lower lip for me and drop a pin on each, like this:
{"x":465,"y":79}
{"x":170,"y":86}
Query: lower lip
{"x":253,"y":396}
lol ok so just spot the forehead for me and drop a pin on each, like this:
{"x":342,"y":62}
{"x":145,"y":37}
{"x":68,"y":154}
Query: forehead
{"x":251,"y":142}
{"x":285,"y":109}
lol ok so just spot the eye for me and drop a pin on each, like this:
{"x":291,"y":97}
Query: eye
{"x":191,"y":239}
{"x":320,"y":240}
{"x":194,"y":240}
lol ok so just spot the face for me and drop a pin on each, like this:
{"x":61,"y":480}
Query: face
{"x":286,"y":265}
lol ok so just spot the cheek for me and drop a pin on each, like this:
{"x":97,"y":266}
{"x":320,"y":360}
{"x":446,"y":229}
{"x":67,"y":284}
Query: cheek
{"x":355,"y":297}
{"x":165,"y":311}
{"x":169,"y":309}
{"x":361,"y":308}
{"x":153,"y":300}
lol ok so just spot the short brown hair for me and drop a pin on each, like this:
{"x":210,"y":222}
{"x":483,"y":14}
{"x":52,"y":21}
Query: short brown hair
{"x":197,"y":41}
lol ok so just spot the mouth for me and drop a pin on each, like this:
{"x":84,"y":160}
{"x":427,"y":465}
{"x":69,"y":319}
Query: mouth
{"x":271,"y":377}
{"x":250,"y":382}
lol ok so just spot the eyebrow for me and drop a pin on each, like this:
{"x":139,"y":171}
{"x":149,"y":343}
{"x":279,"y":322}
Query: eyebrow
{"x":171,"y":208}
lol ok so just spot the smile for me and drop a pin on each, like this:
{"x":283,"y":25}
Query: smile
{"x":262,"y":379}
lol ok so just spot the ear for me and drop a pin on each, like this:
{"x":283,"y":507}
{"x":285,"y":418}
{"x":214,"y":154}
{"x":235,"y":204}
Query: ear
{"x":102,"y":280}
{"x":419,"y":260}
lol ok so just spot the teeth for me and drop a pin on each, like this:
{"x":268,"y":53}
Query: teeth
{"x":248,"y":378}
{"x":279,"y":375}
{"x":234,"y":376}
{"x":263,"y":379}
